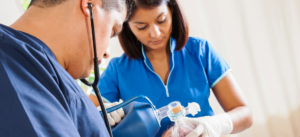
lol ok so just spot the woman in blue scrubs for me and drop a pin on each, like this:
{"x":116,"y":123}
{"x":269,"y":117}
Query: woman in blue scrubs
{"x":166,"y":65}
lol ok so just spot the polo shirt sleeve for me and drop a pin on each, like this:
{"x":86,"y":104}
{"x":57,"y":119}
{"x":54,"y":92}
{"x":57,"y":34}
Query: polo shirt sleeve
{"x":108,"y":83}
{"x":215,"y":66}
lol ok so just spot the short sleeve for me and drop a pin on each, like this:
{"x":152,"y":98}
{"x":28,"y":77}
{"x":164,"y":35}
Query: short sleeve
{"x":215,"y":66}
{"x":108,"y":83}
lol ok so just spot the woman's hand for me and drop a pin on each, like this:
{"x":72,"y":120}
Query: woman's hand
{"x":210,"y":126}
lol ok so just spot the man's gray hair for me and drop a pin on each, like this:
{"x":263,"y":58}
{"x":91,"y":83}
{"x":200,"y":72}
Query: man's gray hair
{"x":117,"y":5}
{"x":107,"y":5}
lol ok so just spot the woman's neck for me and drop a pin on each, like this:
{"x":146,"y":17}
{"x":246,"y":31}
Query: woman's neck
{"x":158,"y":54}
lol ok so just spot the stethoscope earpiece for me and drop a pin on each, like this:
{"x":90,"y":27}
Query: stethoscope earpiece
{"x":90,"y":4}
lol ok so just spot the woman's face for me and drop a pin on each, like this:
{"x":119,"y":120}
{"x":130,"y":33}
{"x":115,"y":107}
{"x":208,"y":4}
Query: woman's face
{"x":152,"y":27}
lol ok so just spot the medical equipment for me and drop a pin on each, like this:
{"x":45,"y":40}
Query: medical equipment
{"x":143,"y":119}
{"x":96,"y":70}
{"x":177,"y":113}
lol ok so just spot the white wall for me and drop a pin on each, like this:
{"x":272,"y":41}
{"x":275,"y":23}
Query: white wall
{"x":10,"y":11}
{"x":115,"y":50}
{"x":259,"y":39}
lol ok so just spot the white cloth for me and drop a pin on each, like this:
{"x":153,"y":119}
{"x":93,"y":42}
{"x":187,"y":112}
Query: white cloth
{"x":210,"y":126}
{"x":115,"y":116}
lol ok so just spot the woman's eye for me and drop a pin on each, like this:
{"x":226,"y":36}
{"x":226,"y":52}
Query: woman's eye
{"x":141,"y":28}
{"x":160,"y":22}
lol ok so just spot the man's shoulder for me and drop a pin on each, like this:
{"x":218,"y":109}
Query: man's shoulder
{"x":22,"y":47}
{"x":21,"y":54}
{"x":13,"y":41}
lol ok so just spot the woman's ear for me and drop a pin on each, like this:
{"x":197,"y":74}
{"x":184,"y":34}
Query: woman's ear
{"x":85,"y":7}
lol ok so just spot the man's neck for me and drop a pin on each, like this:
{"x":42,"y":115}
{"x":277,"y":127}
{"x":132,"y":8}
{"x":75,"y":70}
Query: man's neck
{"x":35,"y":21}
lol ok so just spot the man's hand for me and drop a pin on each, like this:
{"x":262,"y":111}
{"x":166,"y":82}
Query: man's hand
{"x":115,"y":116}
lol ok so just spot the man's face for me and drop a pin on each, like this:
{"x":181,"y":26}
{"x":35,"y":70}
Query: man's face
{"x":107,"y":25}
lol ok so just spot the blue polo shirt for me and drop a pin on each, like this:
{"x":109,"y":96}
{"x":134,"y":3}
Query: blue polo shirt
{"x":194,"y":70}
{"x":38,"y":97}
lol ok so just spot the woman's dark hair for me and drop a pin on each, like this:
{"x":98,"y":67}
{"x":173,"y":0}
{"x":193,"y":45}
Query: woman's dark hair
{"x":180,"y":32}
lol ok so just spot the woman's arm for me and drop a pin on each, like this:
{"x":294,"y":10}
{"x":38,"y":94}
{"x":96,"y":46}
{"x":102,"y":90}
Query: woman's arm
{"x":233,"y":102}
{"x":94,"y":100}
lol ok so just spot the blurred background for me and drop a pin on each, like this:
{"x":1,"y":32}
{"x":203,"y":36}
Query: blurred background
{"x":260,"y":40}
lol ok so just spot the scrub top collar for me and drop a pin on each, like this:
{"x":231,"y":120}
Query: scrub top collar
{"x":171,"y":61}
{"x":172,"y":48}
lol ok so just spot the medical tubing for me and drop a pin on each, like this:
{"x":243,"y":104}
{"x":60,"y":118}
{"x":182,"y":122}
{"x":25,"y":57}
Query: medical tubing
{"x":111,"y":109}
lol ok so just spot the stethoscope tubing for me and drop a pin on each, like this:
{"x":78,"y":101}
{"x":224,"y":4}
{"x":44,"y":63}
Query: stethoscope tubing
{"x":96,"y":73}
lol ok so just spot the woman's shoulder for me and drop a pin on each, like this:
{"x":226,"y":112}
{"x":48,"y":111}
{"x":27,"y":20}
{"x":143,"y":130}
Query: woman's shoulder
{"x":195,"y":42}
{"x":196,"y":39}
{"x":196,"y":45}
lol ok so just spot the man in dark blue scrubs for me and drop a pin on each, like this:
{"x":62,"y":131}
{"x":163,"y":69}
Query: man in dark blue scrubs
{"x":41,"y":54}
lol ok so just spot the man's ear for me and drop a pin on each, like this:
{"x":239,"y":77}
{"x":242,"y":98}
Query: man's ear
{"x":85,"y":7}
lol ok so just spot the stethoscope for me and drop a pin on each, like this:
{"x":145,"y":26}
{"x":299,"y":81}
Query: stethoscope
{"x":96,"y":70}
